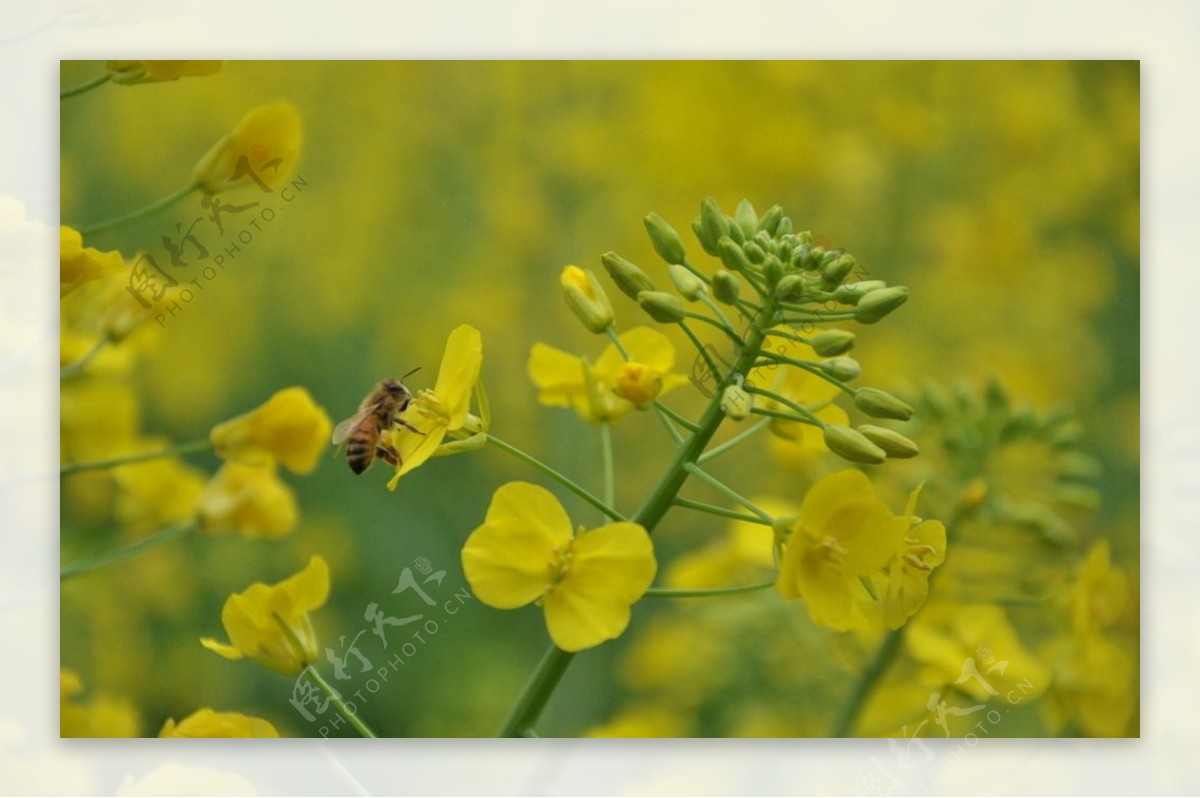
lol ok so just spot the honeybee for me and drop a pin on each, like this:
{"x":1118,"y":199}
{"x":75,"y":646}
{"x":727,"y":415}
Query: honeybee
{"x":379,"y":411}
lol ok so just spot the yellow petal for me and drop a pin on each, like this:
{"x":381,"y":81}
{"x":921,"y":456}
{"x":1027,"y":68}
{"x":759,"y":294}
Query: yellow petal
{"x":557,"y":375}
{"x":612,"y":568}
{"x":207,"y":723}
{"x":645,"y":345}
{"x":267,"y":133}
{"x":415,"y":449}
{"x":825,"y":498}
{"x":509,"y":560}
{"x":867,"y":531}
{"x":78,"y":264}
{"x":308,"y":589}
{"x":226,"y":651}
{"x":461,"y":363}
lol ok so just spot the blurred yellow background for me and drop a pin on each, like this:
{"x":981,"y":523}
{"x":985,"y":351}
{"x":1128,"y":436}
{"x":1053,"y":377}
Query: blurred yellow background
{"x":435,"y":194}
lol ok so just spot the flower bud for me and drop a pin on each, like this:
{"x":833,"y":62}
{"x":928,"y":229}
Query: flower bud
{"x":726,"y":287}
{"x":772,"y":269}
{"x":769,"y":222}
{"x":628,"y":277}
{"x":713,"y":225}
{"x":881,"y":404}
{"x":839,"y":268}
{"x":784,"y":228}
{"x":736,"y":402}
{"x":852,"y":445}
{"x":892,"y":442}
{"x":661,"y":306}
{"x":789,"y":287}
{"x":851,"y":293}
{"x":829,"y":343}
{"x":802,"y":256}
{"x":272,"y":129}
{"x":732,"y":255}
{"x":746,"y":218}
{"x":586,"y":298}
{"x":1076,"y":465}
{"x":666,"y":241}
{"x":877,"y":304}
{"x":1079,"y":497}
{"x":638,"y":383}
{"x":843,"y":368}
{"x":754,"y":252}
{"x":689,"y":286}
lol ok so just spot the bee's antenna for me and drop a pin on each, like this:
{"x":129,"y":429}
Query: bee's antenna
{"x":406,"y":376}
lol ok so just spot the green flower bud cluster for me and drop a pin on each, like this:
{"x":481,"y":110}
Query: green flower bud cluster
{"x":977,"y":432}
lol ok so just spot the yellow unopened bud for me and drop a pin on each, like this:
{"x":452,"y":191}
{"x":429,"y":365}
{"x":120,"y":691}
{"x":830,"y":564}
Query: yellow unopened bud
{"x":264,"y":146}
{"x":638,"y":383}
{"x":586,"y":298}
{"x":628,"y":277}
{"x":662,"y":306}
{"x":877,"y":304}
{"x":881,"y":404}
{"x":689,"y":286}
{"x":666,"y":241}
{"x":736,"y":402}
{"x":852,"y":445}
{"x":892,"y":442}
{"x":829,"y":343}
{"x":726,"y":287}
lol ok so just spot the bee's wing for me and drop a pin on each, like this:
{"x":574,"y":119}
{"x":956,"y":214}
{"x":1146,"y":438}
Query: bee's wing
{"x":343,"y":430}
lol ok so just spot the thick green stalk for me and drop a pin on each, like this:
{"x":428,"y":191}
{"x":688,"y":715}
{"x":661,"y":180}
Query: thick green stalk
{"x":545,"y":679}
{"x":334,"y":698}
{"x":85,"y":86}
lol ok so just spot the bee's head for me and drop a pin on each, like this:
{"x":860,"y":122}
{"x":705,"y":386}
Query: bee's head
{"x":397,"y":388}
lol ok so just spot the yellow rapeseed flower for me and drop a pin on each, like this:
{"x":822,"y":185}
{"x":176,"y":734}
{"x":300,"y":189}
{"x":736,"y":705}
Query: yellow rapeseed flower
{"x":250,"y":499}
{"x":525,"y":553}
{"x":207,"y":723}
{"x":1097,"y":598}
{"x":268,"y":138}
{"x":127,"y":72}
{"x":156,"y":493}
{"x":446,"y":410}
{"x":100,"y":716}
{"x":290,"y":428}
{"x":921,"y":547}
{"x":613,"y":386}
{"x":843,"y":533}
{"x":269,"y":624}
{"x":78,"y":264}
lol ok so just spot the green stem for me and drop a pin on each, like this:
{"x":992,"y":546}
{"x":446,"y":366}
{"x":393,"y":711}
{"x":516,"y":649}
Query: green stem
{"x":696,"y":342}
{"x":713,"y":509}
{"x":563,"y":480}
{"x":720,"y":314}
{"x":606,"y":454}
{"x":814,"y":368}
{"x":533,"y":698}
{"x":867,"y":681}
{"x":725,"y":328}
{"x":766,"y":411}
{"x":166,"y":535}
{"x":877,"y":667}
{"x":84,"y":87}
{"x":545,"y":679}
{"x":727,"y":491}
{"x":678,"y":419}
{"x":76,"y":367}
{"x":133,"y":216}
{"x":683,"y":592}
{"x":783,"y":400}
{"x":334,"y":698}
{"x":96,"y":465}
{"x":742,"y":436}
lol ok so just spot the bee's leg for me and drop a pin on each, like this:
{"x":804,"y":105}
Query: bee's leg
{"x":406,"y":425}
{"x":388,"y":454}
